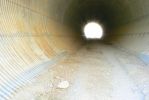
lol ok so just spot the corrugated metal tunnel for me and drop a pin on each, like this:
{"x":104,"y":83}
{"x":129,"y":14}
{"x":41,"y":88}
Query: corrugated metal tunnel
{"x":44,"y":55}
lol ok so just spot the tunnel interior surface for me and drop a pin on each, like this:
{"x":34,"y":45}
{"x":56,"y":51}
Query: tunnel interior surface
{"x":36,"y":35}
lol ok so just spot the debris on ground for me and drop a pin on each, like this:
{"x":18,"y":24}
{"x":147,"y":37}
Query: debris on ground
{"x":63,"y":85}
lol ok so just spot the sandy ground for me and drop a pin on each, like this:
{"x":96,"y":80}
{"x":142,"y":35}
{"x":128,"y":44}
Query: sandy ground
{"x":96,"y":72}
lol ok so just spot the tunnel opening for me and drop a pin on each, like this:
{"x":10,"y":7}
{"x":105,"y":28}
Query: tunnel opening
{"x":93,"y":30}
{"x":49,"y":58}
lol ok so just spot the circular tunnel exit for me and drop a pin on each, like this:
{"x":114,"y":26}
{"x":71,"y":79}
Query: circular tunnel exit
{"x":93,"y":30}
{"x":38,"y":36}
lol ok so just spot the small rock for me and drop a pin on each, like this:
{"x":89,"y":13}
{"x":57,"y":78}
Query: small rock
{"x":63,"y":85}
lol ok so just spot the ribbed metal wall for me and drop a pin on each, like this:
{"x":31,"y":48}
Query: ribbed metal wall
{"x":33,"y":34}
{"x":30,"y":41}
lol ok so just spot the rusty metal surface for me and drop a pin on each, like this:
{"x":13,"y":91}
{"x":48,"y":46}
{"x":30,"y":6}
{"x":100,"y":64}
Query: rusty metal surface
{"x":29,"y":39}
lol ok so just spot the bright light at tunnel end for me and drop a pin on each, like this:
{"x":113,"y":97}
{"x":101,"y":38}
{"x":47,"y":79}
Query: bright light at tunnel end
{"x":93,"y":30}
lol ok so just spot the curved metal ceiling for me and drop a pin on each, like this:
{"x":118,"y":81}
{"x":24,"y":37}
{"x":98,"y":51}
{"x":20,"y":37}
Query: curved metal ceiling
{"x":111,"y":13}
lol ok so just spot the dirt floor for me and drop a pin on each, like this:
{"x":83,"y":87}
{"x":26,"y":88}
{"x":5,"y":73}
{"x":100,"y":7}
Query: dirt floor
{"x":96,"y":72}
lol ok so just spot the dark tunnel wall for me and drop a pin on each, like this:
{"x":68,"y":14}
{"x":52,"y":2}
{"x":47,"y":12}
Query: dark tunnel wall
{"x":37,"y":33}
{"x":125,"y":22}
{"x":112,"y":14}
